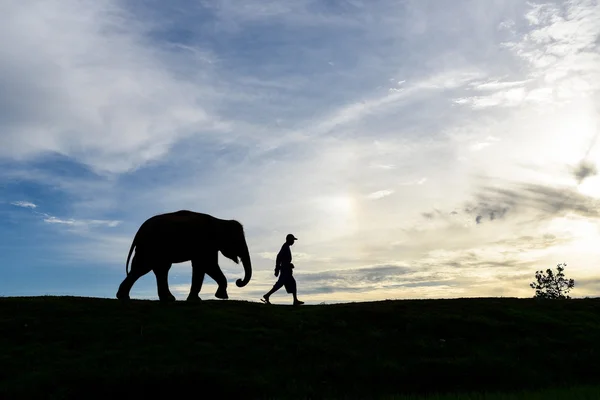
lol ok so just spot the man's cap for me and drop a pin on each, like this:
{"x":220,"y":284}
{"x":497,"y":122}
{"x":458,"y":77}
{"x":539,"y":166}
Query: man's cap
{"x":290,"y":236}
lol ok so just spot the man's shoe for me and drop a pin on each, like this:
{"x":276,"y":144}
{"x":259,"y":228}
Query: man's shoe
{"x":297,"y":303}
{"x":265,"y":300}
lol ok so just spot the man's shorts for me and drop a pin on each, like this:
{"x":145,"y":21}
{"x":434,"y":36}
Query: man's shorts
{"x":287,"y":280}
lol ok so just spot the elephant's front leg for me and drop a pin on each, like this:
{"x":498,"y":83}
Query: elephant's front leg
{"x":161,"y":271}
{"x":214,"y":271}
{"x":197,"y":280}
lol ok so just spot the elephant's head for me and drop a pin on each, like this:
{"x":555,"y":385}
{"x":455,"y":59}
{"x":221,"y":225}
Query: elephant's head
{"x":232,"y":244}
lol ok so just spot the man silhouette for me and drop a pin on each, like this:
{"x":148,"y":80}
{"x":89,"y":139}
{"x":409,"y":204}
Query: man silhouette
{"x":283,"y":268}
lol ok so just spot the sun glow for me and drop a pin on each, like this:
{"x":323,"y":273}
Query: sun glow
{"x":338,"y":214}
{"x":590,"y":187}
{"x":574,"y":134}
{"x":342,"y":204}
{"x":584,"y":234}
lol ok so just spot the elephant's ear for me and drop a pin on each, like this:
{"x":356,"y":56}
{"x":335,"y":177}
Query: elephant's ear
{"x":236,"y":233}
{"x":227,"y":236}
{"x":238,"y":227}
{"x":230,"y":254}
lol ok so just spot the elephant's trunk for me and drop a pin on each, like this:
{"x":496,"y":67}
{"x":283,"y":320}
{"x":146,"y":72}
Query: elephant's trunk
{"x":247,"y":268}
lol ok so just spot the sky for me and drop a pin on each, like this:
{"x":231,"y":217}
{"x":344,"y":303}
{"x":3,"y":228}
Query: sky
{"x":416,"y":148}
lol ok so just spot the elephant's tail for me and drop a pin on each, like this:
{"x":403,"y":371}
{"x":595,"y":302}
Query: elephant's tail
{"x":129,"y":255}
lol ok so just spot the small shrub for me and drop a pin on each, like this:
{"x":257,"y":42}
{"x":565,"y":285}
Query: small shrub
{"x":550,"y":286}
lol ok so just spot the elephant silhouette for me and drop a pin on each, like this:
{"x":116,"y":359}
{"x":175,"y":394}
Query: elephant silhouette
{"x":186,"y":236}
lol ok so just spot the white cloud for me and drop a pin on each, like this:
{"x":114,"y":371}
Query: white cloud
{"x":24,"y":204}
{"x":383,"y":166}
{"x":74,"y":223}
{"x":377,"y":105}
{"x":563,"y":44}
{"x":414,"y":182}
{"x":54,"y":220}
{"x":496,"y":85}
{"x":452,"y":79}
{"x":356,"y":111}
{"x":490,"y":140}
{"x":90,"y":88}
{"x":561,"y":51}
{"x":81,"y":223}
{"x":380,"y":194}
{"x":507,"y":98}
{"x":480,"y":146}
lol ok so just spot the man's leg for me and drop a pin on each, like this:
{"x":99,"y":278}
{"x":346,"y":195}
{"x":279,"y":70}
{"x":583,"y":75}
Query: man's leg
{"x":275,"y":288}
{"x":290,"y":286}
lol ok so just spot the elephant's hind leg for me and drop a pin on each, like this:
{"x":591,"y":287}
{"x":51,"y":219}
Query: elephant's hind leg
{"x":161,"y":271}
{"x":197,"y":280}
{"x":138,"y":269}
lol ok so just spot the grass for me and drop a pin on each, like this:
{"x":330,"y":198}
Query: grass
{"x":69,"y":347}
{"x":572,"y":393}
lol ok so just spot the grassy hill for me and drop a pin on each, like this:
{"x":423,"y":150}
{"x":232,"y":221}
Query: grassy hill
{"x":69,"y":347}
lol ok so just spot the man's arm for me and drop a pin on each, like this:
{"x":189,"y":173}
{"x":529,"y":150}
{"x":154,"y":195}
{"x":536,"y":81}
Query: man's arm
{"x":278,"y":259}
{"x":277,"y":263}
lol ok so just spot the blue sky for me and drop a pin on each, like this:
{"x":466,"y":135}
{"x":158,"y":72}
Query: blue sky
{"x":417,"y":148}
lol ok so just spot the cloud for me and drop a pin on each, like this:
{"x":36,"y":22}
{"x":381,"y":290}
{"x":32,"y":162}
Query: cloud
{"x":490,"y":140}
{"x":524,"y":243}
{"x":584,"y":170}
{"x":234,"y":16}
{"x":414,"y":182}
{"x":546,"y":201}
{"x":130,"y":101}
{"x":358,"y":280}
{"x":383,"y":166}
{"x":298,"y":257}
{"x":562,"y":45}
{"x":85,"y":223}
{"x":24,"y":204}
{"x":113,"y":108}
{"x":497,"y":85}
{"x":380,"y":194}
{"x":506,"y":98}
{"x":71,"y":222}
{"x":359,"y":110}
{"x":530,"y":200}
{"x":54,"y":220}
{"x":452,"y":79}
{"x":561,"y":51}
{"x":445,"y":271}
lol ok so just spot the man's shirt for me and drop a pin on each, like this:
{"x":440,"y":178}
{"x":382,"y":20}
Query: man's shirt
{"x":284,"y":257}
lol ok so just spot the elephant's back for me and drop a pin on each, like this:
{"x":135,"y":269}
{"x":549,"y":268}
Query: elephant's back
{"x":180,"y":228}
{"x":181,"y":217}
